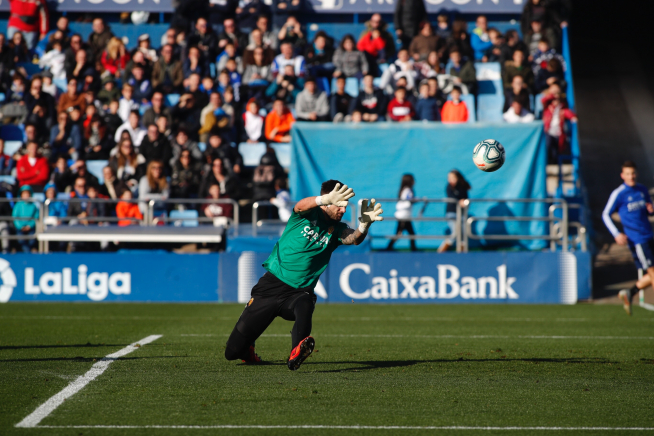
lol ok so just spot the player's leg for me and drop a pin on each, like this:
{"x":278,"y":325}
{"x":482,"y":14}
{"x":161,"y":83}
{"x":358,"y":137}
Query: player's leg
{"x":644,"y":258}
{"x":300,"y":309}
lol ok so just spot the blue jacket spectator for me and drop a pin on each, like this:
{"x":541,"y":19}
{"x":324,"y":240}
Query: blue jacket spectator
{"x":142,"y":86}
{"x":248,"y":12}
{"x":427,"y":108}
{"x":479,"y":39}
{"x":57,"y":209}
{"x":7,"y":162}
{"x":65,"y":138}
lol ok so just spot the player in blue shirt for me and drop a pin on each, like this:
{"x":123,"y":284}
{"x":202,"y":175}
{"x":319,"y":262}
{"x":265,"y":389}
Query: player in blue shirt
{"x":633,"y":203}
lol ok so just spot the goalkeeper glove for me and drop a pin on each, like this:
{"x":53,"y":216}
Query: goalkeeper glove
{"x":337,"y":197}
{"x":370,"y":212}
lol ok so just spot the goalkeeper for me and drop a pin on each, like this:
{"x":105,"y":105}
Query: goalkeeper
{"x":312,"y":233}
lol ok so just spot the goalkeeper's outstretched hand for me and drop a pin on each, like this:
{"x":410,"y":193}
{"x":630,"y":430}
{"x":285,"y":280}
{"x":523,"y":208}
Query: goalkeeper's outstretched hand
{"x":370,"y":212}
{"x":338,"y":197}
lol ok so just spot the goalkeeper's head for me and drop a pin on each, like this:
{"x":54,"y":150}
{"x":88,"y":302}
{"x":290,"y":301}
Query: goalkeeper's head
{"x":334,"y":212}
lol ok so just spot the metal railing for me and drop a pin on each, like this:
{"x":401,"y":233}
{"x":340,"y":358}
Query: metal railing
{"x":581,"y":238}
{"x":561,"y":235}
{"x":38,"y":221}
{"x":257,"y":223}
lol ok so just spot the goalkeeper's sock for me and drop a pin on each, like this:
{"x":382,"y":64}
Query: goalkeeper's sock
{"x":633,"y":291}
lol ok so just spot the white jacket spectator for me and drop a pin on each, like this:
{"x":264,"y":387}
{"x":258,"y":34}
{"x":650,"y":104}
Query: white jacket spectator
{"x":54,"y":62}
{"x":132,"y":125}
{"x":402,"y":67}
{"x":287,"y":58}
{"x":518,"y":114}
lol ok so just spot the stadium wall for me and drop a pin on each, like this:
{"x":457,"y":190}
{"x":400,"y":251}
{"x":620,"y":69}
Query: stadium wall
{"x":499,"y":277}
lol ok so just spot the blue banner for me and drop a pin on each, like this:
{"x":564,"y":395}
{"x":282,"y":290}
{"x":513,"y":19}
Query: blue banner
{"x":500,"y":277}
{"x":433,"y":6}
{"x":353,"y":154}
{"x":104,"y":5}
{"x":142,"y":277}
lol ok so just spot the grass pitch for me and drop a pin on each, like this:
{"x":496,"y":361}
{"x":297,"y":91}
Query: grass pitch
{"x":406,"y":366}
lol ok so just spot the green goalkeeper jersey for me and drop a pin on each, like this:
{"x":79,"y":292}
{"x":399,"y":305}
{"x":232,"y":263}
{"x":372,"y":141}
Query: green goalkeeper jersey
{"x":304,"y":249}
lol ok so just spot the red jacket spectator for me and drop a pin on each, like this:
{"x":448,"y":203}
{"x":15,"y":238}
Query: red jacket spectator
{"x":550,"y":104}
{"x":29,"y":16}
{"x":371,"y":45}
{"x":115,"y":57}
{"x":33,"y":175}
{"x":400,"y":109}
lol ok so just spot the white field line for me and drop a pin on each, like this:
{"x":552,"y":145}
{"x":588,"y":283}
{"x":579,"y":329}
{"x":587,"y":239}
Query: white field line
{"x":648,"y":338}
{"x":343,"y":427}
{"x":33,"y":419}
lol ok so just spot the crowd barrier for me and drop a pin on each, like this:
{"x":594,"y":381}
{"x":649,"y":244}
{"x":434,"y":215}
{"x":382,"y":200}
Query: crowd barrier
{"x":502,"y":277}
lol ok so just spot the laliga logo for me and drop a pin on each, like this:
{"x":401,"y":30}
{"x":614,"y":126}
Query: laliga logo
{"x":449,"y":285}
{"x":8,"y":281}
{"x":96,"y":285}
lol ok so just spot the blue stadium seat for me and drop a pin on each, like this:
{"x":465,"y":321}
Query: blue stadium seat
{"x":383,"y":68}
{"x":128,"y":30}
{"x":11,"y":147}
{"x":12,"y":132}
{"x":184,"y":218}
{"x":63,"y":195}
{"x":490,"y":107}
{"x":283,"y":152}
{"x":251,"y":153}
{"x":143,"y":108}
{"x":493,"y":87}
{"x":95,"y":167}
{"x":351,"y":85}
{"x":323,"y":84}
{"x":61,"y":84}
{"x":469,"y":100}
{"x":202,"y":146}
{"x":8,"y":179}
{"x":172,"y":99}
{"x":538,"y":106}
{"x":39,"y":197}
{"x":30,"y":68}
{"x":2,"y":97}
{"x":488,"y":70}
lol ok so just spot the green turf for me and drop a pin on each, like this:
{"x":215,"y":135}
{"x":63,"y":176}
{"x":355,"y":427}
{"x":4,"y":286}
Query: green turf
{"x":418,"y":379}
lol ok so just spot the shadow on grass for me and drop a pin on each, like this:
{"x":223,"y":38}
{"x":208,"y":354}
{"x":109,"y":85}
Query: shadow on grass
{"x":82,"y":359}
{"x":87,"y":345}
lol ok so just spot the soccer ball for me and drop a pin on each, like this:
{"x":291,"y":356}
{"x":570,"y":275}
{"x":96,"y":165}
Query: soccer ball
{"x":489,"y":155}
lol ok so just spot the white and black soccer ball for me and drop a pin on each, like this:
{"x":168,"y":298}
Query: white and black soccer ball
{"x":489,"y":155}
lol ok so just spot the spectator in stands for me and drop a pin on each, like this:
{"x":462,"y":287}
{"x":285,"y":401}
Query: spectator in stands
{"x":498,"y":51}
{"x":256,"y":41}
{"x":155,"y":146}
{"x":15,"y":108}
{"x":115,"y":57}
{"x":7,"y":162}
{"x":185,"y":180}
{"x":264,"y":177}
{"x":399,"y":108}
{"x":219,"y":10}
{"x":79,"y":170}
{"x":220,"y":148}
{"x":513,"y":43}
{"x":430,"y":67}
{"x":403,"y":211}
{"x":164,"y":127}
{"x":5,"y":210}
{"x":195,"y":63}
{"x":128,"y":166}
{"x":48,"y":86}
{"x":312,"y":104}
{"x":407,"y":18}
{"x":257,"y":73}
{"x":370,"y":104}
{"x":6,"y":58}
{"x":291,"y":32}
{"x":376,"y":28}
{"x":425,"y":42}
{"x":349,"y":61}
{"x":28,"y":214}
{"x":18,"y":48}
{"x":145,"y":47}
{"x":340,"y":102}
{"x":76,"y":44}
{"x":155,"y":110}
{"x":62,"y":176}
{"x":204,"y":38}
{"x":141,"y":86}
{"x":110,"y":187}
{"x":32,"y":133}
{"x":218,"y":211}
{"x":269,"y":37}
{"x":518,"y":114}
{"x":127,"y":211}
{"x":78,"y":209}
{"x":167,"y":74}
{"x":460,"y":40}
{"x":555,"y":114}
{"x":108,"y":92}
{"x":57,"y":210}
{"x":133,"y":127}
{"x":213,"y":116}
{"x":65,"y":137}
{"x":187,"y":113}
{"x":232,"y":34}
{"x":94,"y":209}
{"x":551,"y":74}
{"x":216,"y":175}
{"x":53,"y":60}
{"x":286,"y":57}
{"x":282,"y":200}
{"x":183,"y":142}
{"x":427,"y":107}
{"x":31,"y":169}
{"x":253,"y":122}
{"x":127,"y":104}
{"x":153,"y":186}
{"x":373,"y":45}
{"x":518,"y":91}
{"x":517,"y":67}
{"x":98,"y":142}
{"x":443,"y":29}
{"x":248,"y":12}
{"x":40,"y":105}
{"x":536,"y":34}
{"x":544,"y":54}
{"x":286,"y":86}
{"x":543,"y":12}
{"x":455,"y":110}
{"x":456,"y":189}
{"x":480,"y":40}
{"x":463,"y":72}
{"x":71,"y":98}
{"x":402,"y":67}
{"x":279,"y":122}
{"x":227,"y":54}
{"x":111,"y":117}
{"x":99,"y":38}
{"x":30,"y":18}
{"x":79,"y":66}
{"x":319,"y":54}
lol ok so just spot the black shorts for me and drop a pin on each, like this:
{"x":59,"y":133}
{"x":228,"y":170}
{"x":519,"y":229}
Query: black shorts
{"x":270,"y":298}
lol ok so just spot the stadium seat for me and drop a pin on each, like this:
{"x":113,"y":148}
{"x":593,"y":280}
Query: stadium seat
{"x":39,"y":197}
{"x":30,"y":68}
{"x":143,"y":108}
{"x":251,"y":153}
{"x":492,"y":87}
{"x":202,"y":146}
{"x":11,"y":147}
{"x":184,"y":218}
{"x":490,"y":107}
{"x":212,"y":70}
{"x":61,"y":84}
{"x":172,"y":99}
{"x":383,"y":68}
{"x":2,"y":97}
{"x":283,"y":152}
{"x":12,"y":132}
{"x":323,"y":84}
{"x":8,"y":179}
{"x":351,"y":85}
{"x":538,"y":106}
{"x":95,"y":167}
{"x":63,"y":195}
{"x":488,"y":71}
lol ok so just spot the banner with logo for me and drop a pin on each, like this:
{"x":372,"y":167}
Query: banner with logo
{"x":157,"y":277}
{"x":489,"y":277}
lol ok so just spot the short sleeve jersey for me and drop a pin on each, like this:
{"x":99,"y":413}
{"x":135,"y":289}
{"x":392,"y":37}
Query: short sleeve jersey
{"x":304,"y":249}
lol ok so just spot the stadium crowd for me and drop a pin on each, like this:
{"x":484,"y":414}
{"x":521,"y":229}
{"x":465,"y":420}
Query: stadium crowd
{"x":167,"y":120}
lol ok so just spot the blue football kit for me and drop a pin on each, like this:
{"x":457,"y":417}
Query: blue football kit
{"x":631,"y":204}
